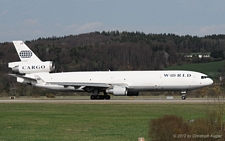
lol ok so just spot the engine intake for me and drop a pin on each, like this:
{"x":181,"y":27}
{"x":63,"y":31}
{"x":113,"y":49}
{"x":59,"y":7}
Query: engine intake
{"x":117,"y":90}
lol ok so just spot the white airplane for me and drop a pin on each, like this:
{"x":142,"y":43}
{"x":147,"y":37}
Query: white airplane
{"x":31,"y":70}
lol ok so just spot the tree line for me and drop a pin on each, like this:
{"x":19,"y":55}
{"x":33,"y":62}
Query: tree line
{"x":113,"y":50}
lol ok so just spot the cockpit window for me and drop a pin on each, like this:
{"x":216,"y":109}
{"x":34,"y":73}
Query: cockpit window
{"x":204,"y":77}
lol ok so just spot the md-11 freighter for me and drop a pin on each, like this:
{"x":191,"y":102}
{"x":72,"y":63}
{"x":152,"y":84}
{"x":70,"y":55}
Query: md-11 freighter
{"x":31,"y":70}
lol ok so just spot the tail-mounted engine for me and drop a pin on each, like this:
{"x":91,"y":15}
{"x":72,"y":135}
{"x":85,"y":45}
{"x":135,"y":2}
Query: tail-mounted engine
{"x":27,"y":68}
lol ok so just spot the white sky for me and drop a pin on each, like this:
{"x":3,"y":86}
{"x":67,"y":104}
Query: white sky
{"x":31,"y":19}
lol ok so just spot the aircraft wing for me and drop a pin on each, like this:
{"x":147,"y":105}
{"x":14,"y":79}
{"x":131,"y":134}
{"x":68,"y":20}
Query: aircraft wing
{"x":102,"y":85}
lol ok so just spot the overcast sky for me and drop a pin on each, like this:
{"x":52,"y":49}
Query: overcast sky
{"x":31,"y":19}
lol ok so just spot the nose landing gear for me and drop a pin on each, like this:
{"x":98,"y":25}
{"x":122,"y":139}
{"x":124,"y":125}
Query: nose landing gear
{"x":183,"y":97}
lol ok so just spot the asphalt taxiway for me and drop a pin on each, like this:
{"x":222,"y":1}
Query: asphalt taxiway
{"x":137,"y":101}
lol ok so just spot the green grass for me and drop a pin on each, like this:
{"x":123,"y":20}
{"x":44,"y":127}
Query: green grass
{"x":210,"y":68}
{"x":57,"y":122}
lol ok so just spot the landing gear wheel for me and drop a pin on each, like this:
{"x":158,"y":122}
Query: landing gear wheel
{"x":183,"y":97}
{"x":92,"y":97}
{"x":100,"y":97}
{"x":107,"y":97}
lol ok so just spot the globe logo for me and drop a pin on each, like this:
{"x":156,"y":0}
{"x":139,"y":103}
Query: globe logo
{"x":25,"y":54}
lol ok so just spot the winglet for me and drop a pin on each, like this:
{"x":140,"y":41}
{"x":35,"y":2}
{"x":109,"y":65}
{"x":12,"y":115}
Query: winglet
{"x":24,"y":53}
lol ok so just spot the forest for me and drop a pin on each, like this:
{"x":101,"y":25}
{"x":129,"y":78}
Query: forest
{"x":111,"y":50}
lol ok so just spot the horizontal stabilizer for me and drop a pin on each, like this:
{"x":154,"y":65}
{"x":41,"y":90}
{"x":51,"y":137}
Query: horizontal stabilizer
{"x":23,"y":76}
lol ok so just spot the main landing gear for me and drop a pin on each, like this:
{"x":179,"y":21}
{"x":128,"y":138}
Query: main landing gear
{"x":100,"y":97}
{"x":95,"y":94}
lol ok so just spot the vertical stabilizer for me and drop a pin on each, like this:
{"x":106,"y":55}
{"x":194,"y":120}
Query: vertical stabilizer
{"x":24,"y":53}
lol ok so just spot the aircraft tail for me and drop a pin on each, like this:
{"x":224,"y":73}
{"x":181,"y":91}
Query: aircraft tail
{"x":25,"y":54}
{"x":29,"y":63}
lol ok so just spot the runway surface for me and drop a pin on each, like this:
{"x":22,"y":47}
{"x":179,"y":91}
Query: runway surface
{"x":139,"y":101}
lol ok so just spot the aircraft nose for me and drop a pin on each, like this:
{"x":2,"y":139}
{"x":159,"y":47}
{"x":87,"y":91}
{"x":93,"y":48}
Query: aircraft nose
{"x":210,"y":81}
